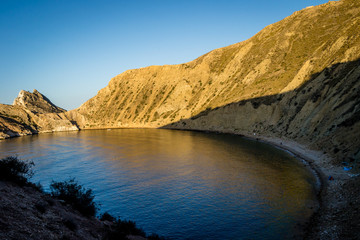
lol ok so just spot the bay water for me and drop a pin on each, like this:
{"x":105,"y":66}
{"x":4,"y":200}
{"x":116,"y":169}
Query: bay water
{"x":179,"y":184}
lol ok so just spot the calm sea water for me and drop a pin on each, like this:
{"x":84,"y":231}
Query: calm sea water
{"x":183,"y":185}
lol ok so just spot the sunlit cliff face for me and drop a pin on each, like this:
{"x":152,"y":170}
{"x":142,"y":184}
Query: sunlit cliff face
{"x":295,"y":78}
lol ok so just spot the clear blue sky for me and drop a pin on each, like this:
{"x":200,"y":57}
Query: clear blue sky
{"x":70,"y":49}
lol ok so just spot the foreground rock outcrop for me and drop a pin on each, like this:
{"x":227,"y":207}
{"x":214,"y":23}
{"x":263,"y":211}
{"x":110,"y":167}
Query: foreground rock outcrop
{"x":30,"y":214}
{"x":32,"y":113}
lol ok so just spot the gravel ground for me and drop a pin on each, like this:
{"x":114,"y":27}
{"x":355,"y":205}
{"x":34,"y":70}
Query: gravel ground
{"x":26,"y":213}
{"x":339,"y":214}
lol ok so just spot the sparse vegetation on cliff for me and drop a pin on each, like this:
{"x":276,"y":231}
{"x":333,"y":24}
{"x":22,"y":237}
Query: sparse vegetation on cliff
{"x":76,"y":195}
{"x":295,"y":74}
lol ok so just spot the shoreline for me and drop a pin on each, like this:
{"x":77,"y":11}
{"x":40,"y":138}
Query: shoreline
{"x":318,"y":225}
{"x":310,"y":164}
{"x":324,"y":222}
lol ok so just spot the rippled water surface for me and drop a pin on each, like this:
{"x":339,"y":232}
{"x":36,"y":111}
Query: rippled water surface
{"x":183,"y":185}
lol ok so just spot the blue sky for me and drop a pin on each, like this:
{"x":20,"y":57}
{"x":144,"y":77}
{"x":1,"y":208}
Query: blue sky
{"x":70,"y":49}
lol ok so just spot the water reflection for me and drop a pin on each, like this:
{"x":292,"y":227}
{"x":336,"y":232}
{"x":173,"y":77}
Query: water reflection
{"x":198,"y":185}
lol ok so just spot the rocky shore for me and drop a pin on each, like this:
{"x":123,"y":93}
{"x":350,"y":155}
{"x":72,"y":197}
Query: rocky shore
{"x":32,"y":113}
{"x":338,"y":193}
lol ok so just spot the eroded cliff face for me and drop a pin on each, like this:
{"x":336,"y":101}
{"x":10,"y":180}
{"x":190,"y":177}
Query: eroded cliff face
{"x":32,"y":113}
{"x":322,"y":114}
{"x":36,"y":102}
{"x":297,"y":79}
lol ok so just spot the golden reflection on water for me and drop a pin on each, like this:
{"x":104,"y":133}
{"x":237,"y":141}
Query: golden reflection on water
{"x":204,"y":175}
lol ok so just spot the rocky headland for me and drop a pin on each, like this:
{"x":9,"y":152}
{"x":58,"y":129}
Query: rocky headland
{"x":32,"y":113}
{"x":295,"y":84}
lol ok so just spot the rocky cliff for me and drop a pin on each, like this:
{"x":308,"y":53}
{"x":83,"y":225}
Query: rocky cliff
{"x":296,"y":79}
{"x":32,"y":113}
{"x":36,"y":102}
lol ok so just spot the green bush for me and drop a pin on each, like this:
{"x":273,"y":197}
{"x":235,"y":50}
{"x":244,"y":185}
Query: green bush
{"x":123,"y":228}
{"x":14,"y":170}
{"x":120,"y":229}
{"x":76,"y":195}
{"x":107,"y":217}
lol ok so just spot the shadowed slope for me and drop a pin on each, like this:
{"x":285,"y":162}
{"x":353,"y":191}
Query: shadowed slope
{"x":323,"y":113}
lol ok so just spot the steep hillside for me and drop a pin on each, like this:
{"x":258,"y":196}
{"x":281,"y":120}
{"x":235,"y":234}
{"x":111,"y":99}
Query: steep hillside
{"x":323,"y":114}
{"x":297,"y":78}
{"x":32,"y":113}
